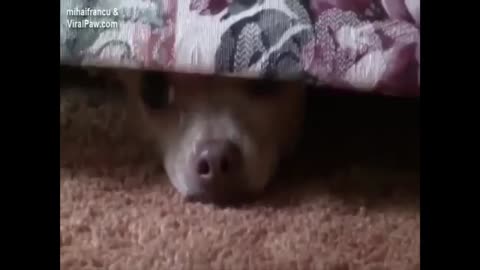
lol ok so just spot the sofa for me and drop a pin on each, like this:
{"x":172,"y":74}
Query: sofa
{"x":368,"y":46}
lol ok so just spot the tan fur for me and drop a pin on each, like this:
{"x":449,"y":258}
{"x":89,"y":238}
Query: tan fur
{"x":205,"y":107}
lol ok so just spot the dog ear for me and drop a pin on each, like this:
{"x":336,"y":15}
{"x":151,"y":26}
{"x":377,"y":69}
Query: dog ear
{"x":155,"y":90}
{"x":129,"y":79}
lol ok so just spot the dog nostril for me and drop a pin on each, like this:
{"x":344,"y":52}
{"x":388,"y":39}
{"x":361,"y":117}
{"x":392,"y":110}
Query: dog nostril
{"x":203,"y":168}
{"x":224,"y":165}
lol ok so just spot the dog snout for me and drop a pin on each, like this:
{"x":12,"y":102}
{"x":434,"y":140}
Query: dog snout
{"x":217,"y":169}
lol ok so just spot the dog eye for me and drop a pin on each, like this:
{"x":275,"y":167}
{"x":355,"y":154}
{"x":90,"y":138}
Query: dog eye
{"x":265,"y":88}
{"x":155,"y":90}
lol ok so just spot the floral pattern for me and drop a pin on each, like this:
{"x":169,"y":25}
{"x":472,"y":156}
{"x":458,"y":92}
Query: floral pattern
{"x":363,"y":45}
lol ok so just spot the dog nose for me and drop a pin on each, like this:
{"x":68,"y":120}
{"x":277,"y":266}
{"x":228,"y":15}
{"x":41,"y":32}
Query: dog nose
{"x":217,"y":161}
{"x":217,"y":170}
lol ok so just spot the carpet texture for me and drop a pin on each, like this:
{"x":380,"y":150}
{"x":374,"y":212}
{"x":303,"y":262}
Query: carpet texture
{"x":118,"y":210}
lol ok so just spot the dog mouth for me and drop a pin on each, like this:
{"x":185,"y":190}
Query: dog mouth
{"x":231,"y":191}
{"x":225,"y":199}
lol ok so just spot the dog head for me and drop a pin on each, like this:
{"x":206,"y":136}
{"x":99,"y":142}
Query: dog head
{"x":220,"y":138}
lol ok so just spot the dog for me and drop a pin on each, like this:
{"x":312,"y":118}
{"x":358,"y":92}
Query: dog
{"x":220,"y":138}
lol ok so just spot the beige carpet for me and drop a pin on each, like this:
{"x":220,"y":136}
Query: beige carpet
{"x":118,"y":210}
